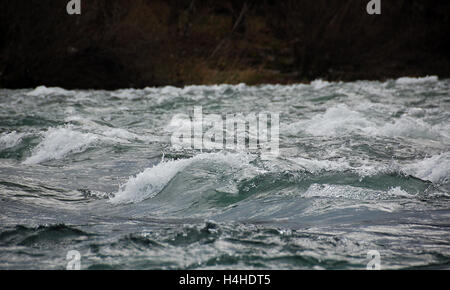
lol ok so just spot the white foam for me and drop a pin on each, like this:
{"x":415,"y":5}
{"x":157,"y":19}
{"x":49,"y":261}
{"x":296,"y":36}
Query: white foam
{"x":409,"y":127}
{"x":421,"y":80}
{"x":337,"y":191}
{"x":48,"y":91}
{"x":352,"y":192}
{"x":129,"y":94}
{"x":60,"y":142}
{"x":363,"y":168}
{"x":319,"y":84}
{"x":120,"y":133}
{"x":435,"y":168}
{"x":398,"y":192}
{"x":336,"y":121}
{"x":342,"y":119}
{"x":9,"y":140}
{"x":151,"y":181}
{"x":192,"y":90}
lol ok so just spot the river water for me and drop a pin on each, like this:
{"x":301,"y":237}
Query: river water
{"x":361,"y":166}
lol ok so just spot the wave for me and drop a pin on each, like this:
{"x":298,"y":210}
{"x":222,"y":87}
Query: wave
{"x":60,"y":142}
{"x":48,"y":91}
{"x":420,"y":80}
{"x":342,"y":120}
{"x":191,"y":91}
{"x":252,"y":175}
{"x":361,"y":167}
{"x":435,"y":168}
{"x":335,"y":121}
{"x":151,"y":181}
{"x":106,"y":133}
{"x":319,"y":84}
{"x":11,"y":139}
{"x":43,"y":235}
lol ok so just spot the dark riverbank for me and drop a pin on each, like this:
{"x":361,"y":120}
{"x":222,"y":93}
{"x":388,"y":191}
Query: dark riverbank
{"x":116,"y":44}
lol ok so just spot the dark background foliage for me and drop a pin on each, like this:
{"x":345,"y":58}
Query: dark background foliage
{"x":137,"y":43}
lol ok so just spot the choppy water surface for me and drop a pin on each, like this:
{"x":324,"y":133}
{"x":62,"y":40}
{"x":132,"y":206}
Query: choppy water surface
{"x":362,"y":166}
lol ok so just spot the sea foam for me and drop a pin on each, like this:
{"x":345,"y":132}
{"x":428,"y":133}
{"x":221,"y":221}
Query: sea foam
{"x":58,"y":143}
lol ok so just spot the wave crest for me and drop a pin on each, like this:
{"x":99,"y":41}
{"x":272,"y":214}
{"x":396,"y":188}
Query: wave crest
{"x":58,"y":143}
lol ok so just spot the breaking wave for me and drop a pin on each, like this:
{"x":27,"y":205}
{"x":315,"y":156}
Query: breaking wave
{"x":151,"y":181}
{"x":11,"y":139}
{"x":60,"y":142}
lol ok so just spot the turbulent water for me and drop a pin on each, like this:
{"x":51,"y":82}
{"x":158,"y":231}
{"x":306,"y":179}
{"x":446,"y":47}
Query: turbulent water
{"x":362,"y":166}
